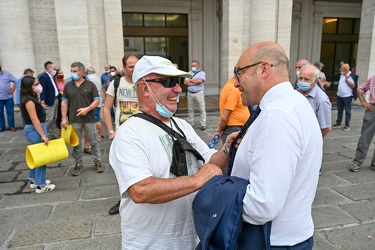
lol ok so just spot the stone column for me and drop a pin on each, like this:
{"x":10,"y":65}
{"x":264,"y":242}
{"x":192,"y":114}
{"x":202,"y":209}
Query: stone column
{"x":366,"y":55}
{"x":271,"y":21}
{"x":113,"y":31}
{"x":17,"y":51}
{"x":232,"y":36}
{"x":73,"y":33}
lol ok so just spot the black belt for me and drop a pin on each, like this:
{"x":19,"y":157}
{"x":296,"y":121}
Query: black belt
{"x":194,"y":92}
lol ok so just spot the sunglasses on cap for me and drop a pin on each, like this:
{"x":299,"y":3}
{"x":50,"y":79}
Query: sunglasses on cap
{"x":167,"y":82}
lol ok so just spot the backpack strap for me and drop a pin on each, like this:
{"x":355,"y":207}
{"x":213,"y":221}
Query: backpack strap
{"x":116,"y":84}
{"x":174,"y":134}
{"x":162,"y":125}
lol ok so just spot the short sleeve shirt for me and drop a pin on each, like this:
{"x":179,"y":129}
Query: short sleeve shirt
{"x":126,"y":101}
{"x":80,"y":97}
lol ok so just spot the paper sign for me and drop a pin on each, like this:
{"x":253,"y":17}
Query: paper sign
{"x":39,"y":154}
{"x":69,"y":135}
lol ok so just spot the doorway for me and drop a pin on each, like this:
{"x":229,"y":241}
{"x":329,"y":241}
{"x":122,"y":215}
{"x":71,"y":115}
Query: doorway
{"x":339,"y":45}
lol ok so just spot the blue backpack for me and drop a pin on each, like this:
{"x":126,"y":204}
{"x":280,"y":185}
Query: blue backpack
{"x":217,"y":214}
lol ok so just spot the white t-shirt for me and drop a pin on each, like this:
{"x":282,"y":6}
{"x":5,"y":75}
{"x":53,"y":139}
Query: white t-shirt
{"x":140,"y":150}
{"x":281,"y":155}
{"x":96,"y":80}
{"x":126,"y":101}
{"x":344,"y":90}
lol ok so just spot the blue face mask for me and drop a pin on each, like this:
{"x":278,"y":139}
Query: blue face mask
{"x":303,"y":86}
{"x":75,"y":76}
{"x":193,"y":69}
{"x":53,"y":72}
{"x":342,"y":73}
{"x":163,"y":111}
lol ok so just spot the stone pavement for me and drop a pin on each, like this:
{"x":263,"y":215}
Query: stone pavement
{"x":75,"y":214}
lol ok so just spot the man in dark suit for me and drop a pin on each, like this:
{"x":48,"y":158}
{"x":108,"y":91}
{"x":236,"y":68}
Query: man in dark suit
{"x":48,"y":98}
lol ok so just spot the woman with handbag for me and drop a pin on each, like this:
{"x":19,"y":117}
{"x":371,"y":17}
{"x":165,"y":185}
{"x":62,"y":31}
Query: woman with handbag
{"x":35,"y":129}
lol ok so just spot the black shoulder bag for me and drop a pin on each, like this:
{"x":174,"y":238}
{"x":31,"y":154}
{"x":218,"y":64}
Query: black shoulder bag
{"x":180,"y":145}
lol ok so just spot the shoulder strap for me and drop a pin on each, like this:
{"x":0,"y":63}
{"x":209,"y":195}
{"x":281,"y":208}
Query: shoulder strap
{"x":195,"y":73}
{"x":162,"y":125}
{"x":116,"y":84}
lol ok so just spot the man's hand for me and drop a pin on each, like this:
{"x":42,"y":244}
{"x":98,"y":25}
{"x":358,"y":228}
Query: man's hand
{"x":82,"y":111}
{"x":368,"y":106}
{"x":206,"y":172}
{"x":64,"y":122}
{"x":230,"y":139}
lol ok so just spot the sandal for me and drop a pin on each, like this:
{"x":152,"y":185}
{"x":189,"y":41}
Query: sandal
{"x":87,"y":151}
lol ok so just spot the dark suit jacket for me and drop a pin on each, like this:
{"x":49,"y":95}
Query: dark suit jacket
{"x":355,"y":78}
{"x":48,"y":94}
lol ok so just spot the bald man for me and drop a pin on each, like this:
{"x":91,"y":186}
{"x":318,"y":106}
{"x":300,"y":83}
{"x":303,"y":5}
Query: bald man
{"x":281,"y":152}
{"x":347,"y":87}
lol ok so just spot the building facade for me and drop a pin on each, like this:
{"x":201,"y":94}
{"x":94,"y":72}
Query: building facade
{"x":214,"y":32}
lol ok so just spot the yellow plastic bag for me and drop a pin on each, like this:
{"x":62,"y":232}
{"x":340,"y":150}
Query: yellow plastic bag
{"x":39,"y":154}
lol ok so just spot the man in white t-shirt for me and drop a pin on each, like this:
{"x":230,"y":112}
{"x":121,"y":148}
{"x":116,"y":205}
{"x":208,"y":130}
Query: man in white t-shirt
{"x":281,"y":153}
{"x":155,"y":204}
{"x":126,"y":104}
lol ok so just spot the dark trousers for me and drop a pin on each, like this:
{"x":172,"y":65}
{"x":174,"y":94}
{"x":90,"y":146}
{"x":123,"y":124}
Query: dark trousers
{"x":305,"y":245}
{"x":344,"y":102}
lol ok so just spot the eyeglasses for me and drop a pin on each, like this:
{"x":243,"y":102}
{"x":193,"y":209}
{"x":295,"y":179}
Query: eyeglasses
{"x":235,"y":71}
{"x":167,"y":82}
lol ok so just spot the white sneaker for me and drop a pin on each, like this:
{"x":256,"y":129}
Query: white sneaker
{"x":47,"y":188}
{"x":32,"y":185}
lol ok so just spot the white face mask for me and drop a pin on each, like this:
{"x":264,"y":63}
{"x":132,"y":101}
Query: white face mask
{"x":113,"y":73}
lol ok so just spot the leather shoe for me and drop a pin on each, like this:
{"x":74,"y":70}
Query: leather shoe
{"x":203,"y":128}
{"x":115,"y":209}
{"x":13,"y":129}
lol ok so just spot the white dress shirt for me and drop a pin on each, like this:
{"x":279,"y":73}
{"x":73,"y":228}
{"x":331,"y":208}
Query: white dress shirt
{"x":281,"y":155}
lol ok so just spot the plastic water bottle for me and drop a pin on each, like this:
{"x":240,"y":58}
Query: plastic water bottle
{"x":214,"y":141}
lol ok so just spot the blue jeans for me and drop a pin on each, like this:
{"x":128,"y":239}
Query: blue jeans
{"x":344,"y":102}
{"x":37,"y":174}
{"x":9,"y":107}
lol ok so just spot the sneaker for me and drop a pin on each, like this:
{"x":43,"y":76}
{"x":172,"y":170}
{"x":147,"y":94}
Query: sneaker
{"x":115,"y":209}
{"x":354,"y":167}
{"x":32,"y":185}
{"x":203,"y":128}
{"x":346,"y":128}
{"x":336,"y":125}
{"x":372,"y":167}
{"x":47,"y":188}
{"x":77,"y":169}
{"x":98,"y":167}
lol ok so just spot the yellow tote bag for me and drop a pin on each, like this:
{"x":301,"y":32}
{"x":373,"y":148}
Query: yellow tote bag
{"x":69,"y":135}
{"x":39,"y":154}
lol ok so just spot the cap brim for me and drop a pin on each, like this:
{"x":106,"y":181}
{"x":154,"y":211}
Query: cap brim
{"x":175,"y":72}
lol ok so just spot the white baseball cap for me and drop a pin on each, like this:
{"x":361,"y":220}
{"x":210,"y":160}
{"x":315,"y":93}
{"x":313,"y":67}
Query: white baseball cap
{"x":158,"y":65}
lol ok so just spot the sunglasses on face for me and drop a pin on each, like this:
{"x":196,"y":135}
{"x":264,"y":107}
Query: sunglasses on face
{"x":167,"y":82}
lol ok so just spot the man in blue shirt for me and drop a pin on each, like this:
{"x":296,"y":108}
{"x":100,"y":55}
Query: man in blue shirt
{"x":106,"y":76}
{"x":6,"y":99}
{"x":195,"y":87}
{"x":26,"y":72}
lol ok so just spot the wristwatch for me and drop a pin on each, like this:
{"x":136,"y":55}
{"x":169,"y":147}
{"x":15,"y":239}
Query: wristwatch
{"x":110,"y":132}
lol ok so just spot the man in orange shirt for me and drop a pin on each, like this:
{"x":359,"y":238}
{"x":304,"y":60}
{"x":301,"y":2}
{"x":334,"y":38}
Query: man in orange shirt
{"x":233,"y":114}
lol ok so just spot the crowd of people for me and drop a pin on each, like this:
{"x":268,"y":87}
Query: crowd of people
{"x":272,"y":134}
